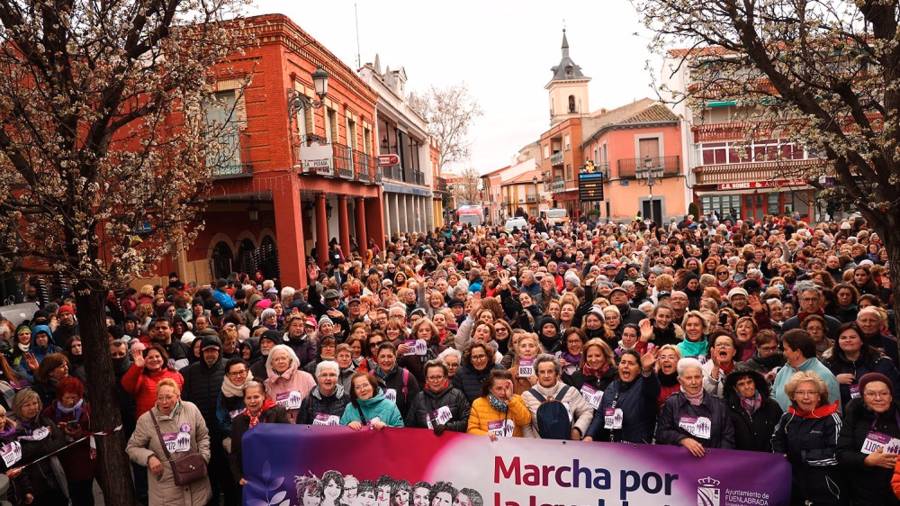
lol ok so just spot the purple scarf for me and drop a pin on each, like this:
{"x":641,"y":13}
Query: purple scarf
{"x":752,"y":404}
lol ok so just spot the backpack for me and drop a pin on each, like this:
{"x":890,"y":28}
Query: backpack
{"x":552,"y":417}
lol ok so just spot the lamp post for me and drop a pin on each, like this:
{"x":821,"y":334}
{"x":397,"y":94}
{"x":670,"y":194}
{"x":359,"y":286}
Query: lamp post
{"x":298,"y":102}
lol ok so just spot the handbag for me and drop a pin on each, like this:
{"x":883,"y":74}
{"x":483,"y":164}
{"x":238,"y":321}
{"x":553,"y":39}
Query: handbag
{"x":187,"y":468}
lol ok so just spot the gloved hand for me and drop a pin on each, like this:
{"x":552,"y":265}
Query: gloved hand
{"x":439,"y":429}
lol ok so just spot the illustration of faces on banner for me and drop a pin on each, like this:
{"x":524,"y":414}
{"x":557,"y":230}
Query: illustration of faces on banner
{"x":336,"y":489}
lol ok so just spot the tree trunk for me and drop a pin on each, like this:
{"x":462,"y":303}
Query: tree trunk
{"x":114,"y":470}
{"x":891,"y":240}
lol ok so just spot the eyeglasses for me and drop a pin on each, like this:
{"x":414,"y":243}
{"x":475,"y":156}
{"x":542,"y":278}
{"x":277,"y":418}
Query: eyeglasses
{"x":372,"y":345}
{"x":877,"y":395}
{"x":434,"y":378}
{"x":479,"y":357}
{"x":238,"y":373}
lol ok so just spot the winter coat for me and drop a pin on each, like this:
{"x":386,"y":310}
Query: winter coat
{"x":317,"y":406}
{"x":399,"y":382}
{"x":202,"y":386}
{"x":867,"y":485}
{"x":45,"y":480}
{"x":239,"y":426}
{"x":283,"y":388}
{"x":873,"y":361}
{"x":304,"y":347}
{"x":470,"y":380}
{"x":752,"y":432}
{"x":810,"y":443}
{"x":678,"y":408}
{"x":580,"y":412}
{"x":145,"y":443}
{"x":141,"y":384}
{"x":812,"y":365}
{"x":76,"y":461}
{"x":578,"y":379}
{"x":427,"y":403}
{"x":637,"y":400}
{"x":364,"y":411}
{"x":227,"y":408}
{"x":483,"y":417}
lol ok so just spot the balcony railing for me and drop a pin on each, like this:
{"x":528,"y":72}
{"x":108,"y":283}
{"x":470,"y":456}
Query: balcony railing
{"x":754,"y":171}
{"x":441,"y":184}
{"x":237,"y":166}
{"x":669,"y":165}
{"x":531,"y":199}
{"x":343,"y":160}
{"x":557,"y":185}
{"x":556,"y":158}
{"x":365,"y":165}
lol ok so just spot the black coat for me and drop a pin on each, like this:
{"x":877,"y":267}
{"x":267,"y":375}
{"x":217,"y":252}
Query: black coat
{"x":637,"y":400}
{"x":868,"y":485}
{"x":202,"y":385}
{"x":239,"y":426}
{"x":811,"y":447}
{"x":470,"y":381}
{"x":752,"y":432}
{"x":38,"y":479}
{"x":578,"y":379}
{"x":394,"y":380}
{"x":872,"y":361}
{"x":315,"y":403}
{"x":677,"y":406}
{"x":427,"y":402}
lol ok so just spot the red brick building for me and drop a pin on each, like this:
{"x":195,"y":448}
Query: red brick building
{"x":268,"y":211}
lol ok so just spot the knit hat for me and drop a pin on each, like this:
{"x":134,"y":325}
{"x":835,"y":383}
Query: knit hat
{"x":65,"y":309}
{"x":311,"y":321}
{"x":272,"y":335}
{"x":210,"y":342}
{"x":737,"y":291}
{"x":325,"y":320}
{"x":264,"y":303}
{"x":875,"y":376}
{"x":571,"y":277}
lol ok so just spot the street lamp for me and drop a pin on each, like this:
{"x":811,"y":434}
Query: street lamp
{"x":297,"y":101}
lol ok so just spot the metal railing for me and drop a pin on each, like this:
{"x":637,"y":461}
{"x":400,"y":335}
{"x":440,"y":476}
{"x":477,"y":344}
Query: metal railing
{"x":557,"y":185}
{"x":365,"y":164}
{"x":343,"y":160}
{"x":231,"y":169}
{"x":670,"y":166}
{"x":556,"y":158}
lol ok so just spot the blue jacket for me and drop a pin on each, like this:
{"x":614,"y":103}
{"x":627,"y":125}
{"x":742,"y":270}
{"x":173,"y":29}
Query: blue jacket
{"x":223,"y":299}
{"x":813,"y":365}
{"x":376,"y":407}
{"x":637,"y":400}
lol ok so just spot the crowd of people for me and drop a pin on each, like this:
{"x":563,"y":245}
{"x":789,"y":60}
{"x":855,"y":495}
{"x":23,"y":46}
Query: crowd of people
{"x":769,"y":336}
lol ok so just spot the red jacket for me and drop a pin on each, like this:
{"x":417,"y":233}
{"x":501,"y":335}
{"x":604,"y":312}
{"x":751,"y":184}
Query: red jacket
{"x":141,"y":384}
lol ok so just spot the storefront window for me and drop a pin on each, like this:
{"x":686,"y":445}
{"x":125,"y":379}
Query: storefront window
{"x":722,"y":205}
{"x":773,"y":204}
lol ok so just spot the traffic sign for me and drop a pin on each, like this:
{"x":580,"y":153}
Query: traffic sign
{"x":388,"y":160}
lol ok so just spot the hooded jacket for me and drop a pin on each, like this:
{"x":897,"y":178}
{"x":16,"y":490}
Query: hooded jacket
{"x":369,"y":409}
{"x":550,"y":344}
{"x":427,"y":403}
{"x":678,"y":408}
{"x":810,"y":440}
{"x":317,"y":405}
{"x":868,"y":485}
{"x":752,"y":432}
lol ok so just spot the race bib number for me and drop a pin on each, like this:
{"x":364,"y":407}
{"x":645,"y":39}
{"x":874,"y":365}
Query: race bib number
{"x":417,"y":348}
{"x":526,"y":367}
{"x":326,"y":419}
{"x":854,"y":391}
{"x":38,"y":434}
{"x":592,"y":395}
{"x":612,"y":419}
{"x":391,"y":395}
{"x":699,"y":427}
{"x":235,"y":413}
{"x":440,"y":416}
{"x":289,"y":400}
{"x":879,"y":440}
{"x":501,"y":428}
{"x":177,"y":441}
{"x":11,"y":453}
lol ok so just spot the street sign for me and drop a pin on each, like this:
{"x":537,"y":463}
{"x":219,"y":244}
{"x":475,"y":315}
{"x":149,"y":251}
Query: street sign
{"x":388,"y":160}
{"x":590,"y":186}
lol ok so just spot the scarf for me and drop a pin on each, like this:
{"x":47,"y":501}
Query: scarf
{"x":752,"y":404}
{"x":820,"y":412}
{"x":229,"y":389}
{"x":501,"y":406}
{"x":571,"y":359}
{"x":694,"y":399}
{"x":667,"y":380}
{"x":254,"y":419}
{"x":75,"y":410}
{"x":594,"y":372}
{"x":693,"y":348}
{"x":383,"y":375}
{"x":443,"y":386}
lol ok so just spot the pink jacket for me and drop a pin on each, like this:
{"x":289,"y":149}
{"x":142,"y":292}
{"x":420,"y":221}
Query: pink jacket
{"x":291,"y":387}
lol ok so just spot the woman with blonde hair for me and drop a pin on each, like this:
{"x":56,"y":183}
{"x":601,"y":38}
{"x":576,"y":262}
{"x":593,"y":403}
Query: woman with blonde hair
{"x":42,"y":482}
{"x":525,"y":350}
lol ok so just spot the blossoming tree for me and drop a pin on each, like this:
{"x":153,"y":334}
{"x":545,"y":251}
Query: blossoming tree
{"x":105,"y":155}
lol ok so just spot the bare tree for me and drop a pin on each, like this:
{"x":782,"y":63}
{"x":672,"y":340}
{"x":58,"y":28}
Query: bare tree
{"x":449,"y":113}
{"x":823,"y":73}
{"x":104,"y":151}
{"x":465,"y":190}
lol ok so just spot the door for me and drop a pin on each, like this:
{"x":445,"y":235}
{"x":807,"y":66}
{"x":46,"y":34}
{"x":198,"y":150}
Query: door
{"x":649,"y":152}
{"x":651,"y":209}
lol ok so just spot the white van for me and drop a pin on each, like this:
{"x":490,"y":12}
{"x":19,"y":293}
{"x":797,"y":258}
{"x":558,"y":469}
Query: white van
{"x":517,"y":222}
{"x":557,"y":216}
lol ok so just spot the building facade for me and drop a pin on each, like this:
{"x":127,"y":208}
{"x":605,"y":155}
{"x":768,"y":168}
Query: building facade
{"x":408,"y":198}
{"x":523,"y":192}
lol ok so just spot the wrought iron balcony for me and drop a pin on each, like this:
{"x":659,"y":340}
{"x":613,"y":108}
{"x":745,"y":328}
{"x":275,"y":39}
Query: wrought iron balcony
{"x":669,"y":165}
{"x":343,"y":160}
{"x":556,"y":158}
{"x":558,"y":185}
{"x":236,"y":163}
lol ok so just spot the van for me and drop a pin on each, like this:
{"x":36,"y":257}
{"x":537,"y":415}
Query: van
{"x":557,"y":216}
{"x":517,"y":222}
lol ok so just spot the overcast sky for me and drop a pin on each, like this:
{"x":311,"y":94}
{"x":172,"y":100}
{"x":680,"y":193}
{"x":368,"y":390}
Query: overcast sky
{"x":502,"y":50}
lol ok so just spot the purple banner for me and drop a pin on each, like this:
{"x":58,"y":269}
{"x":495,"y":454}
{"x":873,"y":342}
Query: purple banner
{"x":333,"y":466}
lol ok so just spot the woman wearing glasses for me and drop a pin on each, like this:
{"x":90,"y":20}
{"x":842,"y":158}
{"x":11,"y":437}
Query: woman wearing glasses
{"x":439,"y":406}
{"x":476,"y":367}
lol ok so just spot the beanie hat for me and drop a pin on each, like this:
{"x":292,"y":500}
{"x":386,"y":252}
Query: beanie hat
{"x":65,"y":309}
{"x":875,"y":376}
{"x":267,"y":313}
{"x":325,"y":320}
{"x":272,"y":335}
{"x":571,"y":277}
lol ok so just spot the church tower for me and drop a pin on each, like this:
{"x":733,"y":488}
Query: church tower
{"x":568,"y":89}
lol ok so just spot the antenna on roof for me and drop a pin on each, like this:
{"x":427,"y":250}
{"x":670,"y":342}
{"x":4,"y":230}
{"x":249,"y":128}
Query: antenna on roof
{"x":356,"y":15}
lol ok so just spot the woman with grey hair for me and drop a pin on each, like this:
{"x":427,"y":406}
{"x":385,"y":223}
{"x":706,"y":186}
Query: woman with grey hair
{"x":327,"y":401}
{"x":692,"y":417}
{"x":451,"y":357}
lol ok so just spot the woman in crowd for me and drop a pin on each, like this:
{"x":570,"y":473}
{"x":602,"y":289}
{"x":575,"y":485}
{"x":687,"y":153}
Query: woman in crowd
{"x":694,"y":344}
{"x":42,"y":483}
{"x":499,"y":412}
{"x":326,"y":403}
{"x":400,"y":386}
{"x":720,"y":363}
{"x":148,"y":367}
{"x":368,"y":407}
{"x":439,"y":406}
{"x":526,"y":349}
{"x":286,"y":383}
{"x":267,"y":340}
{"x":476,"y":367}
{"x":815,"y":326}
{"x":753,"y":413}
{"x":344,"y":359}
{"x":230,"y":403}
{"x":452,"y":358}
{"x":22,"y":359}
{"x":665,"y":330}
{"x":52,"y":370}
{"x":71,"y":413}
{"x":745,"y":337}
{"x":808,"y":434}
{"x":667,"y":372}
{"x":628,"y":409}
{"x":850,"y":358}
{"x":693,"y":418}
{"x":570,"y":354}
{"x":767,"y":359}
{"x":597,"y":371}
{"x":258,"y":408}
{"x":75,"y":353}
{"x":181,"y":425}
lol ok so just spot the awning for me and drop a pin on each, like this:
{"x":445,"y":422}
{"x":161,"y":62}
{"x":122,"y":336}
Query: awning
{"x":712,"y":104}
{"x":706,"y":193}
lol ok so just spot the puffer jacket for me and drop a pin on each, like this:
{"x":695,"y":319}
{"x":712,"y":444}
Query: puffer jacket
{"x":145,"y":442}
{"x":580,"y":412}
{"x":810,"y":443}
{"x":426,"y":404}
{"x":483,"y":417}
{"x":317,"y":409}
{"x":469,"y":380}
{"x":867,"y":485}
{"x":678,"y":408}
{"x":364,"y":411}
{"x":637,"y":400}
{"x":202,"y":386}
{"x":752,"y":432}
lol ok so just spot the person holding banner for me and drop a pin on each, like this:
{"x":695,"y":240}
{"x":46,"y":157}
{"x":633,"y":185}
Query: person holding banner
{"x":326,"y":403}
{"x":400,"y":385}
{"x":258,"y":409}
{"x":499,"y":412}
{"x":550,"y":388}
{"x":286,"y":383}
{"x":72,"y":415}
{"x":368,"y":406}
{"x":870,"y":440}
{"x":694,"y":418}
{"x":628,"y":409}
{"x":808,"y":435}
{"x":439,"y":406}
